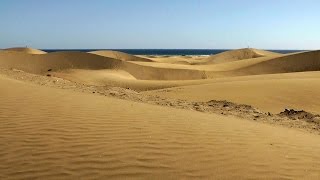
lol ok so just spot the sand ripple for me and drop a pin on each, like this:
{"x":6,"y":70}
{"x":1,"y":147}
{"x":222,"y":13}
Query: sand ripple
{"x":50,"y":134}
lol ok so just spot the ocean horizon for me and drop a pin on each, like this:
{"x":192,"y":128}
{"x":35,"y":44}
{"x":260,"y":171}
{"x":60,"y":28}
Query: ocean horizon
{"x":167,"y":52}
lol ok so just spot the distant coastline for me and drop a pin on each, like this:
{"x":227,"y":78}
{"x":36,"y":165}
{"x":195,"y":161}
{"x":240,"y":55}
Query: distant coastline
{"x":168,"y":52}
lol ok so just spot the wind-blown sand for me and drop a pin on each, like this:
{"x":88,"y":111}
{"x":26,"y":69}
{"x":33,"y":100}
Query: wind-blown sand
{"x":71,"y":115}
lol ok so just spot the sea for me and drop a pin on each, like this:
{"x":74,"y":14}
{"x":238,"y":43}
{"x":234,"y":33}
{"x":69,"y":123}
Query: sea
{"x":167,"y":52}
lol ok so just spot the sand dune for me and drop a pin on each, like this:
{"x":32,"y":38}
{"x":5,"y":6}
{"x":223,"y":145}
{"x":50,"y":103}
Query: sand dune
{"x":25,"y":50}
{"x":201,"y":63}
{"x":271,"y":93}
{"x":146,"y":72}
{"x":49,"y":133}
{"x":62,"y":62}
{"x":121,"y":78}
{"x":239,"y":54}
{"x":56,"y":61}
{"x":120,"y":55}
{"x":187,"y":60}
{"x":295,"y":62}
{"x":52,"y":128}
{"x":99,"y":70}
{"x":298,"y":62}
{"x":268,"y":63}
{"x":59,"y":61}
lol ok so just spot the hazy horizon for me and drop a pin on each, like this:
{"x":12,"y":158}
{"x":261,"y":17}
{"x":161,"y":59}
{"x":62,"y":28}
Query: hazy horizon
{"x":177,"y":24}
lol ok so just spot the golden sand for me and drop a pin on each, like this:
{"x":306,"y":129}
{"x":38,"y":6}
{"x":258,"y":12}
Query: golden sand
{"x":103,"y":115}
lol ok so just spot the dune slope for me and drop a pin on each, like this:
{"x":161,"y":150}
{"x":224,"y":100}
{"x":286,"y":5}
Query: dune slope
{"x":59,"y":61}
{"x":56,"y":61}
{"x":271,"y":93}
{"x":239,"y":54}
{"x":298,"y":62}
{"x":120,"y":55}
{"x":50,"y":134}
{"x":121,"y":78}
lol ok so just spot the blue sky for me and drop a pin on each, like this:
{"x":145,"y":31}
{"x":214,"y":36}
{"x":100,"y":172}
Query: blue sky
{"x":213,"y":24}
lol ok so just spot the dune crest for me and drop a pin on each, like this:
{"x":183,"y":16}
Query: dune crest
{"x":25,"y":50}
{"x":120,"y":55}
{"x":297,"y":62}
{"x":61,"y":61}
{"x":56,"y":61}
{"x":239,"y":54}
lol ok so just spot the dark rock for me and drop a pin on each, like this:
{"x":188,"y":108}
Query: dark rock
{"x":293,"y":114}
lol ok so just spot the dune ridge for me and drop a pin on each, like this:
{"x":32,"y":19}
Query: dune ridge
{"x":25,"y":50}
{"x":298,"y":62}
{"x":239,"y":54}
{"x":56,"y":61}
{"x":141,"y":68}
{"x":120,"y":55}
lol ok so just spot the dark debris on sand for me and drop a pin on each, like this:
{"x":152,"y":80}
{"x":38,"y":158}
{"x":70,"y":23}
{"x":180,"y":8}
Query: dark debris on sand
{"x":294,"y":115}
{"x":289,"y":117}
